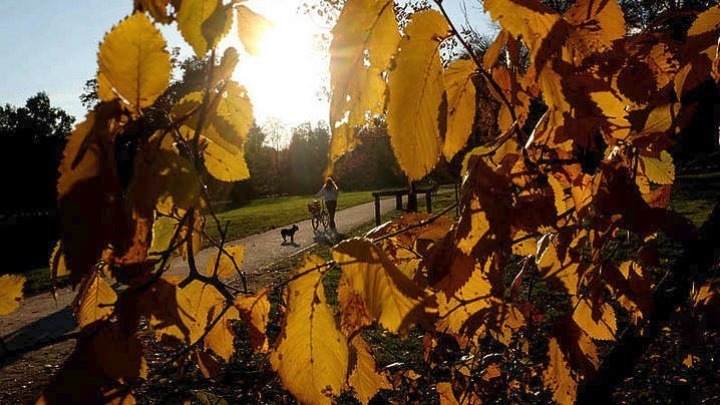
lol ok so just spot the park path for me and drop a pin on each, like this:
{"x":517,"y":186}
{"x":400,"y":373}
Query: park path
{"x":40,"y":318}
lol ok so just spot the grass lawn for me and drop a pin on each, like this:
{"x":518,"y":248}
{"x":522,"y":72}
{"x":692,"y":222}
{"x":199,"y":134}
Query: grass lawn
{"x":268,"y":213}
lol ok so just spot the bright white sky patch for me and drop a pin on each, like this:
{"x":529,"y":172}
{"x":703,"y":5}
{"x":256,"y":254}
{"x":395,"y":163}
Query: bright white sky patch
{"x":286,"y":79}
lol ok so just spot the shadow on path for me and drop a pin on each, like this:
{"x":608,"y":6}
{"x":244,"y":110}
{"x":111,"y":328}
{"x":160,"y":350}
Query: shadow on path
{"x":44,"y":329}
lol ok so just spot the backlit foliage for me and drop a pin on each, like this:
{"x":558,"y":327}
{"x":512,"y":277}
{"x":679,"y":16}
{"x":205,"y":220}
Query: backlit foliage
{"x":594,"y":170}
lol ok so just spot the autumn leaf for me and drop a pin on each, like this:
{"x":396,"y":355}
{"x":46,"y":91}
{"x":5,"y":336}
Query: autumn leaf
{"x":209,"y":367}
{"x":217,"y":24}
{"x":460,"y":105}
{"x":221,"y":337}
{"x":529,"y":19}
{"x":311,"y":356}
{"x":708,"y":21}
{"x":559,"y":268}
{"x":389,"y":297}
{"x":195,"y":303}
{"x":597,"y":320}
{"x":163,"y":179}
{"x":364,"y":377}
{"x":225,"y":130}
{"x":597,"y":24}
{"x":11,"y":287}
{"x":365,"y":38}
{"x":343,"y":140}
{"x":445,"y":392}
{"x":133,"y":62}
{"x":156,"y":8}
{"x":416,"y":92}
{"x":251,"y":28}
{"x":455,"y":309}
{"x":493,"y":53}
{"x":255,"y":312}
{"x":224,"y":71}
{"x":224,"y":263}
{"x":160,"y":302}
{"x":95,"y":300}
{"x":557,"y":377}
{"x":191,"y":19}
{"x":659,"y":170}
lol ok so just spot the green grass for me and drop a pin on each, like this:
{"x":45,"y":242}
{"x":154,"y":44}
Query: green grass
{"x":694,"y":196}
{"x":269,"y":213}
{"x":38,"y":281}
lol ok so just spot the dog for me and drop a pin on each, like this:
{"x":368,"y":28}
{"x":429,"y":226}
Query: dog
{"x":289,"y":232}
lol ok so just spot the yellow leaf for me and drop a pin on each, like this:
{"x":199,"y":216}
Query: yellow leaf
{"x":598,"y":321}
{"x":659,"y":171}
{"x":311,"y":355}
{"x":134,"y":63}
{"x":706,"y":22}
{"x":196,"y":302}
{"x":160,"y":302}
{"x":11,"y":286}
{"x":251,"y":27}
{"x":58,"y":266}
{"x":191,"y":18}
{"x":104,"y":90}
{"x":477,"y":224}
{"x":255,"y":311}
{"x":454,"y":310}
{"x":221,"y":336}
{"x":118,"y":352}
{"x":163,"y":179}
{"x":447,"y":397}
{"x":156,"y":8}
{"x":343,"y":140}
{"x":224,"y":161}
{"x":364,"y":41}
{"x":460,"y":105}
{"x":364,"y":377}
{"x":217,"y":24}
{"x":614,"y":109}
{"x":95,"y":300}
{"x":234,"y":108}
{"x":558,"y":271}
{"x":225,"y":267}
{"x":493,"y":53}
{"x":557,"y":377}
{"x":560,"y":197}
{"x":416,"y":90}
{"x":163,"y":231}
{"x":229,"y":119}
{"x":528,"y":19}
{"x":597,"y":24}
{"x":227,"y":65}
{"x":390,"y":298}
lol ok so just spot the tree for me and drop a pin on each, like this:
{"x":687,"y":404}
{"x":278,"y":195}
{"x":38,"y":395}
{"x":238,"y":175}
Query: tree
{"x":34,"y":133}
{"x":549,"y":269}
{"x":35,"y":121}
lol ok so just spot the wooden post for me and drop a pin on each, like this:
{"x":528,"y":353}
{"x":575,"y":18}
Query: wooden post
{"x":428,"y":204}
{"x":398,"y":201}
{"x":412,"y":199}
{"x":377,"y":209}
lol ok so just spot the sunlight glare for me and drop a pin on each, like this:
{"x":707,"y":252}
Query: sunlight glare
{"x":284,"y":81}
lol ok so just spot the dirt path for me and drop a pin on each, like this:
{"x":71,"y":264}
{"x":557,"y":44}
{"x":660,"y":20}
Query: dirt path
{"x":40,"y":318}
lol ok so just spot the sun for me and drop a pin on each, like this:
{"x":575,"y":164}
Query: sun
{"x":284,"y":81}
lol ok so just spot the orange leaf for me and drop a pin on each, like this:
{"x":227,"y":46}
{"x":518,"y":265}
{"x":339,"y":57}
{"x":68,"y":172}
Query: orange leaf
{"x":557,"y":377}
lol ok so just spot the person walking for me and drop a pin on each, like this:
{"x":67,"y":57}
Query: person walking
{"x":329,"y":193}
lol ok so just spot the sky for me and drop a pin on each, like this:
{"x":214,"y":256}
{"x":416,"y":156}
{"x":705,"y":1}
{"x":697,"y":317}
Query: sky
{"x":51,"y":46}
